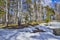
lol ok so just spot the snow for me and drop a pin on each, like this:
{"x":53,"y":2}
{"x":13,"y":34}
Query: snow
{"x":27,"y":34}
{"x":54,"y":25}
{"x":44,"y":28}
{"x":52,"y":39}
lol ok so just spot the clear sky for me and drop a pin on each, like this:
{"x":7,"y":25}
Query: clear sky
{"x":56,"y":0}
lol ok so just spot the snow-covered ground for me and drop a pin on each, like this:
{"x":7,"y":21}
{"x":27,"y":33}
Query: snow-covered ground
{"x":52,"y":25}
{"x":27,"y":34}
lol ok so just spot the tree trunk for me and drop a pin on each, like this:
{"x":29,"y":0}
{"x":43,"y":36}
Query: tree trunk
{"x":6,"y":13}
{"x":19,"y":11}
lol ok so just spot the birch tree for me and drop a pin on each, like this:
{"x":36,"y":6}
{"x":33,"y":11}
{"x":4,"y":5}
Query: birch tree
{"x":6,"y":12}
{"x":19,"y":11}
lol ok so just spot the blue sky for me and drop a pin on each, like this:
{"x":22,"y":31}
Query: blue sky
{"x":56,"y":0}
{"x":53,"y":1}
{"x":50,"y":2}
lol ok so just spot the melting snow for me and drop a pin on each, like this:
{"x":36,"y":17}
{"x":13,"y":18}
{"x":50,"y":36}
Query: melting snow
{"x":27,"y":34}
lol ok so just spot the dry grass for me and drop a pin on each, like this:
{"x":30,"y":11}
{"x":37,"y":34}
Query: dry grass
{"x":12,"y":24}
{"x":33,"y":23}
{"x":1,"y":25}
{"x":9,"y":25}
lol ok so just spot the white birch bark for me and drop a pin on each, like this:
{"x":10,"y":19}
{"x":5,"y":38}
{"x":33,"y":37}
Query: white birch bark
{"x":6,"y":12}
